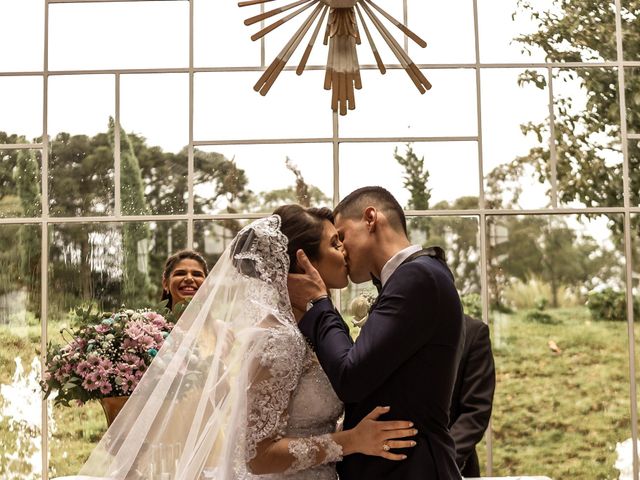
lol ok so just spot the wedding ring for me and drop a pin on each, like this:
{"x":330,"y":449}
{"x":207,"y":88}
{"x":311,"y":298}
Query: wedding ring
{"x":386,"y":447}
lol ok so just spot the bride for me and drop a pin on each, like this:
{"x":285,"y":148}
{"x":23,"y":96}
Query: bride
{"x":236,"y":392}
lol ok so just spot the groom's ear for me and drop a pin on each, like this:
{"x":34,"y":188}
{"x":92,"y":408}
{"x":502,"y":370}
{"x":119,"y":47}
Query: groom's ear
{"x":370,"y":217}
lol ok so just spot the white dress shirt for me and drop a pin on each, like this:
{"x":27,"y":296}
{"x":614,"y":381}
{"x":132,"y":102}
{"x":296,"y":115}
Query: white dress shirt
{"x":395,"y":261}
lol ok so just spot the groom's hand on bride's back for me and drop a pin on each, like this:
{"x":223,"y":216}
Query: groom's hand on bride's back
{"x":305,"y":286}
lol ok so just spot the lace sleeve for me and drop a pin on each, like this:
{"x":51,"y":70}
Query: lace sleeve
{"x":279,"y":364}
{"x":308,"y":452}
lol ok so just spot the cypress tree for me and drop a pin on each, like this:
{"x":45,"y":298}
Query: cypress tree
{"x":135,"y":235}
{"x":27,"y":181}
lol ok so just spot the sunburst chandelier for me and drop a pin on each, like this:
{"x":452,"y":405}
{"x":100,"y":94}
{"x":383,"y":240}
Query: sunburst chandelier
{"x":345,"y":22}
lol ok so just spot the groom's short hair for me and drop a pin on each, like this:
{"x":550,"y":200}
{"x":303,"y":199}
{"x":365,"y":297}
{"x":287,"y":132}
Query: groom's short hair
{"x":354,"y":204}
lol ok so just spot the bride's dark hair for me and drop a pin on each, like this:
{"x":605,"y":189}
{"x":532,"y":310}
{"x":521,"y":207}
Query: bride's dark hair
{"x":303,"y":228}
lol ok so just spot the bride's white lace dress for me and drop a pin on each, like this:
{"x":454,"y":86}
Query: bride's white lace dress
{"x":296,"y":401}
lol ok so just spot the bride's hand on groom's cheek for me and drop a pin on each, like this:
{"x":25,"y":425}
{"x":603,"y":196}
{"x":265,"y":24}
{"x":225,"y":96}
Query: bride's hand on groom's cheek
{"x":381,"y":438}
{"x":305,"y":286}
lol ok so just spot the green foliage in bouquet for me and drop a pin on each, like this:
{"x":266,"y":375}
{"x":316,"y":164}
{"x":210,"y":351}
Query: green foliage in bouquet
{"x":104,"y":354}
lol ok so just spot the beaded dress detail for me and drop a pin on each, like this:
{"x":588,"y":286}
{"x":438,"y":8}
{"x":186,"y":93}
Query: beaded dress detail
{"x":290,"y":396}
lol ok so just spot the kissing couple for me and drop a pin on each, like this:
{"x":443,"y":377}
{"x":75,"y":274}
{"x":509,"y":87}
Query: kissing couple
{"x":260,"y":368}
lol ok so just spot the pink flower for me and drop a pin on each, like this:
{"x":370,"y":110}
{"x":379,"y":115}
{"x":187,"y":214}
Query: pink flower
{"x":129,"y":383}
{"x":145,"y":342}
{"x":101,"y":375}
{"x":60,"y":376}
{"x":124,"y":368}
{"x":154,"y":317}
{"x":106,"y":364}
{"x":102,"y":328}
{"x":132,"y":359}
{"x":105,"y":388}
{"x":90,"y":382}
{"x":94,"y":360}
{"x":83,"y":368}
{"x":158,"y":338}
{"x":134,"y":331}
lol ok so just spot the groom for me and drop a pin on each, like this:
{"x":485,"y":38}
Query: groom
{"x":407,"y":353}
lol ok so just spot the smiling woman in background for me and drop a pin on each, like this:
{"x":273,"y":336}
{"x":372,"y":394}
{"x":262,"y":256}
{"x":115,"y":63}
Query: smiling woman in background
{"x":183,"y":274}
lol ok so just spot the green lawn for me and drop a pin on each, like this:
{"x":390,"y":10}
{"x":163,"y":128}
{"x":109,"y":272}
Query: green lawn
{"x":560,"y":415}
{"x":554,"y":414}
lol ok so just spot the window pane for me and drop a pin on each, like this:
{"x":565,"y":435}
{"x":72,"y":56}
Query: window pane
{"x":587,"y":126}
{"x":510,"y":161}
{"x":500,"y":24}
{"x":459,"y":237}
{"x":155,"y":113}
{"x":80,"y":104}
{"x":18,"y":17}
{"x":634,"y":168}
{"x":630,"y":14}
{"x":632,"y":97}
{"x":81,"y":163}
{"x":80,"y":175}
{"x":20,"y":179}
{"x":227,"y":108}
{"x":20,"y":333}
{"x":562,"y":366}
{"x":109,"y":264}
{"x":118,"y":35}
{"x":21,"y":112}
{"x":256,"y":178}
{"x":212,"y":237}
{"x":364,"y":164}
{"x":448,"y":29}
{"x":105,"y":265}
{"x":220,"y":36}
{"x":390,"y":105}
{"x":546,"y":30}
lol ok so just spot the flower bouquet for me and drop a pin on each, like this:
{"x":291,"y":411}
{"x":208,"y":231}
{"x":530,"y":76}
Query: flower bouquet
{"x":360,"y":307}
{"x":105,"y":355}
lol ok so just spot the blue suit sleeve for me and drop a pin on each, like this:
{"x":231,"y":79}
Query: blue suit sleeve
{"x":405,"y":318}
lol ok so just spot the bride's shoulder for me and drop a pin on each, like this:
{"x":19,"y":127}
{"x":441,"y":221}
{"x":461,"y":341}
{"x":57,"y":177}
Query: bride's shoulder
{"x":281,"y":343}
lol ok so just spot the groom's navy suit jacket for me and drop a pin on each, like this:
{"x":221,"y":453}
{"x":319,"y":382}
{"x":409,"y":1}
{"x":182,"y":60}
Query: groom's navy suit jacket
{"x":405,"y":357}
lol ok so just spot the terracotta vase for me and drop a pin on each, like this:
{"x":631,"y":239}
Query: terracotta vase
{"x":111,"y":407}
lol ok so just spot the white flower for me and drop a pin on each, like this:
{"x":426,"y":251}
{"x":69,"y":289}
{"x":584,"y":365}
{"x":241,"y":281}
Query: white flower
{"x":360,"y":308}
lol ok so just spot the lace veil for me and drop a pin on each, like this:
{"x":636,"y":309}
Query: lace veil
{"x":222,"y":381}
